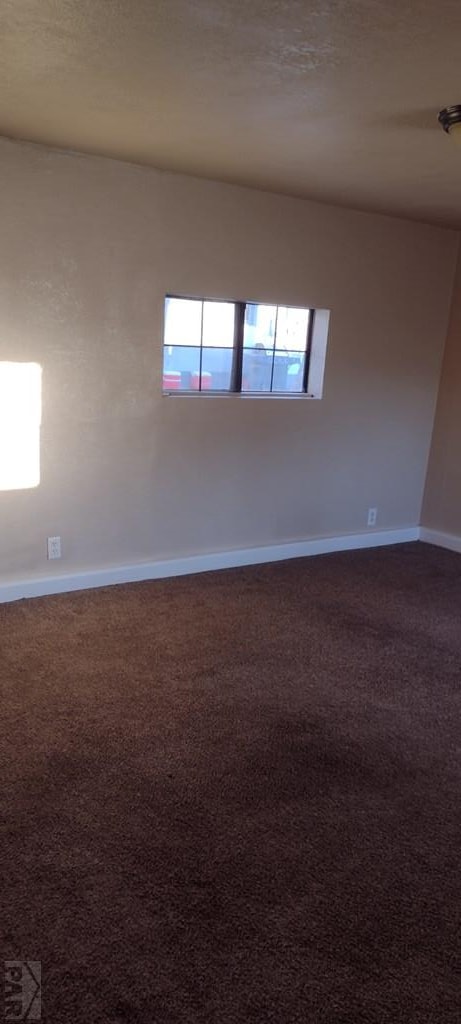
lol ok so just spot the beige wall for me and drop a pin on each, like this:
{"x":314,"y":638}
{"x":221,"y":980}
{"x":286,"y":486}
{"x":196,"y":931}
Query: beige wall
{"x":442,"y":498}
{"x":88,"y":249}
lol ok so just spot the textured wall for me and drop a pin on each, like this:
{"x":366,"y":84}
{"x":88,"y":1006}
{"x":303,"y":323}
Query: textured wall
{"x":88,"y":249}
{"x":442,"y":499}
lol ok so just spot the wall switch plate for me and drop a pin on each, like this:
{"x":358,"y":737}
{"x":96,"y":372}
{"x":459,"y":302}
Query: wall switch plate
{"x":372,"y":516}
{"x":54,"y":547}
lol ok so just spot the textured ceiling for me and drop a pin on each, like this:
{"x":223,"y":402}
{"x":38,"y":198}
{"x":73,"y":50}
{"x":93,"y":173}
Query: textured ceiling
{"x":334,"y":99}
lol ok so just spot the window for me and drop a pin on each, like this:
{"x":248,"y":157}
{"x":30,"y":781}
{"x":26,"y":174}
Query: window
{"x":246,"y":348}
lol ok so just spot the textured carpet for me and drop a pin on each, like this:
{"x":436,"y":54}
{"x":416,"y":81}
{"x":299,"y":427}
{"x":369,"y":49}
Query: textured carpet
{"x":236,"y":797}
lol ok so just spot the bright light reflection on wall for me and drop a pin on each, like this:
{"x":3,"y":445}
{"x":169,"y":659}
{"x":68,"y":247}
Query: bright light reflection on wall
{"x":20,"y":418}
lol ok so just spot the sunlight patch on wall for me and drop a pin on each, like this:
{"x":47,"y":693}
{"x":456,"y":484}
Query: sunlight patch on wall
{"x":20,"y":418}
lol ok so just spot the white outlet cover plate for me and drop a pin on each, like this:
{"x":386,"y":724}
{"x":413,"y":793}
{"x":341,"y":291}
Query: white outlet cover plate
{"x":54,"y":547}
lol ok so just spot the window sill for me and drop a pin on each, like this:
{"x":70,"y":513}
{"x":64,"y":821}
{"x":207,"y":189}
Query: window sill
{"x":260,"y":396}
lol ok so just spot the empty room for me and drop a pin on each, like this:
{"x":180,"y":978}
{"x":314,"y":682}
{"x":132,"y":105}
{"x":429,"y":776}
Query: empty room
{"x":230,"y":511}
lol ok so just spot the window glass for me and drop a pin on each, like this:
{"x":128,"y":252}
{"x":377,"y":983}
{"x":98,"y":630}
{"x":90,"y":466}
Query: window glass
{"x":218,"y":324}
{"x":181,"y":368}
{"x":259,"y":329}
{"x":216,"y":369}
{"x":248,"y":347}
{"x":292,"y":329}
{"x":288,"y":372}
{"x":183,"y":321}
{"x":256,"y":369}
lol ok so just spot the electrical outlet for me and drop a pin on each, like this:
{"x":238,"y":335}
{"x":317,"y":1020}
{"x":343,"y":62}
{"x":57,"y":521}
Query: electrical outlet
{"x":54,"y":547}
{"x":372,"y":516}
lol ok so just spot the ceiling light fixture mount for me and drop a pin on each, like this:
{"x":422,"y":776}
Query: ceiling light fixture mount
{"x":450,"y":119}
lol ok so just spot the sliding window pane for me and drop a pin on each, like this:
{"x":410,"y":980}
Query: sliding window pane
{"x":183,"y":321}
{"x":259,"y":330}
{"x":181,"y":368}
{"x":218,"y":324}
{"x":292,"y":326}
{"x":288,"y":375}
{"x":256,"y":369}
{"x":216,"y":369}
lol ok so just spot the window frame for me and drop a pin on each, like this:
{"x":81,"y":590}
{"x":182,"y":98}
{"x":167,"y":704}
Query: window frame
{"x":238,"y":349}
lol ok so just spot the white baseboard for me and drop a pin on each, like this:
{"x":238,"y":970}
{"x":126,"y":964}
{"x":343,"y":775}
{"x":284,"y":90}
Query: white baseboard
{"x":441,"y":540}
{"x":14,"y":590}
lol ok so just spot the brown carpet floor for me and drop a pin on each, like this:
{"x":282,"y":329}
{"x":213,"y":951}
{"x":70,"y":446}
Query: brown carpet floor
{"x":236,"y":797}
